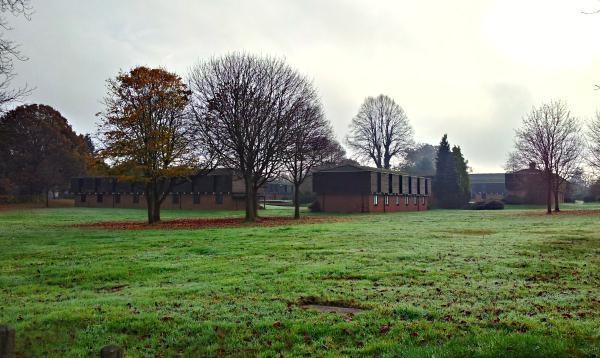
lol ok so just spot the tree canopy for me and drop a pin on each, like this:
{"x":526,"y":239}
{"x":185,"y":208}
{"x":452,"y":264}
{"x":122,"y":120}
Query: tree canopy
{"x":380,"y":132}
{"x":447,"y":181}
{"x":39,"y":151}
{"x":146,"y":132}
{"x":245,"y":108}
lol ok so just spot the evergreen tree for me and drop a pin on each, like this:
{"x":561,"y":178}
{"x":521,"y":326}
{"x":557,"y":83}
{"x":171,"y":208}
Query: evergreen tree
{"x":445,"y":182}
{"x":464,"y":183}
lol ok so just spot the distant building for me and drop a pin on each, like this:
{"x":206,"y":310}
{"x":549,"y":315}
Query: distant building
{"x":221,"y":189}
{"x":529,"y":186}
{"x":279,"y":189}
{"x":526,"y":186}
{"x":488,"y":186}
{"x":353,"y":188}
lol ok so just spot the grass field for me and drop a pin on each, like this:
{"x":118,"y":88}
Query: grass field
{"x":438,"y":283}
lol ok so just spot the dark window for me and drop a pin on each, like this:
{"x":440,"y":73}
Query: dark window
{"x":219,"y":198}
{"x":419,"y":185}
{"x":83,"y":198}
{"x":196,"y":198}
{"x":401,"y":186}
{"x":390,"y":181}
{"x":379,"y":182}
{"x":99,"y":198}
{"x":136,"y":198}
{"x":410,"y":179}
{"x":175,"y":198}
{"x":426,"y":186}
{"x":117,"y":198}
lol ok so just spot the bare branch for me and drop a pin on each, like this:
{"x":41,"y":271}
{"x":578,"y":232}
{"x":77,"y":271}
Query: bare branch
{"x":380,"y":131}
{"x":245,"y":107}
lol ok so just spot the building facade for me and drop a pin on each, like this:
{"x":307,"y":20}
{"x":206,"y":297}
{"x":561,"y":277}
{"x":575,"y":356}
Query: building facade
{"x":529,"y":186}
{"x":353,"y":188}
{"x":220,"y":189}
{"x":488,"y":186}
{"x":278,"y":189}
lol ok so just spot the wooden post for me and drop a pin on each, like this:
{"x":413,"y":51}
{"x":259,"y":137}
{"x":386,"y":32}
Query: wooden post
{"x":112,"y":351}
{"x":7,"y":342}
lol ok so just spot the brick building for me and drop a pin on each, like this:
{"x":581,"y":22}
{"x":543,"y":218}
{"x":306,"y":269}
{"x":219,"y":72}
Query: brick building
{"x":221,"y":189}
{"x":529,"y":186}
{"x":353,"y":188}
{"x":487,"y":186}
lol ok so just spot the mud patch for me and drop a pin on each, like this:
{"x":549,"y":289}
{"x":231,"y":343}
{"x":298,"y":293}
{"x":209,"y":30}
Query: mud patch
{"x":110,"y":289}
{"x":348,"y":308}
{"x":332,"y":309}
{"x":469,"y":232}
{"x":210,"y":223}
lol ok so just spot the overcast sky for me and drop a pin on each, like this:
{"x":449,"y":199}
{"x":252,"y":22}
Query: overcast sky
{"x":469,"y":68}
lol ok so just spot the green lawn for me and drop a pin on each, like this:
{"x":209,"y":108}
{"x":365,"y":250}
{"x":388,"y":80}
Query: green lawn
{"x":437,"y":283}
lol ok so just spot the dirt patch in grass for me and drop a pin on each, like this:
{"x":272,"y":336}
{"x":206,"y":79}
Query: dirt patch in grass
{"x":332,"y":309}
{"x":531,"y":213}
{"x":469,"y":232}
{"x":110,"y":289}
{"x":327,"y":306}
{"x":210,"y":223}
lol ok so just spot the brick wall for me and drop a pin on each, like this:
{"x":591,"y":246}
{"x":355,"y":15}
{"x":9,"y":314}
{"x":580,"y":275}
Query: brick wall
{"x":366,"y":203}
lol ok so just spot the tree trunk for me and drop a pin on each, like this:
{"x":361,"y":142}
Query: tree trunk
{"x":296,"y":201}
{"x":549,"y":194}
{"x":250,"y":200}
{"x":150,"y":203}
{"x":556,"y":203}
{"x":255,"y":202}
{"x":153,"y":202}
{"x":156,"y":211}
{"x":157,"y":200}
{"x":47,"y":200}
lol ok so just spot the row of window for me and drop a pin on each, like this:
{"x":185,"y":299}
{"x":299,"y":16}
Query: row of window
{"x":136,"y":198}
{"x":419,"y":183}
{"x":386,"y":200}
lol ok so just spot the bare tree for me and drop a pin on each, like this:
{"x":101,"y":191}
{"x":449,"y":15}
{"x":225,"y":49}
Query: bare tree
{"x":311,"y":145}
{"x":594,"y":143}
{"x":335,"y":155}
{"x":9,"y":51}
{"x":549,"y":136}
{"x":380,"y":131}
{"x":569,"y":147}
{"x":244,"y":107}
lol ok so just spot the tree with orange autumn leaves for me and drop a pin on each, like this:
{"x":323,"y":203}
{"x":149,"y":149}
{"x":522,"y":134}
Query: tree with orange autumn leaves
{"x":147,"y":133}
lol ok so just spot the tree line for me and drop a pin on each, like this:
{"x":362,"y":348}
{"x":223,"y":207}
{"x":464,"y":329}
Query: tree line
{"x":254,"y":114}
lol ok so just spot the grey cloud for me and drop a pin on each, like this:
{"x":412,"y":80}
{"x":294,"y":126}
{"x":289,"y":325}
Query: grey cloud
{"x":449,"y":64}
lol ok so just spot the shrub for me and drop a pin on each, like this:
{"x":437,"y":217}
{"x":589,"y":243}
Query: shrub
{"x":315,"y":207}
{"x":488,"y":205}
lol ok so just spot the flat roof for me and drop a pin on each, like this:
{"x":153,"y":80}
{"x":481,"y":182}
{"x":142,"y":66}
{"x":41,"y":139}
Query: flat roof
{"x":360,"y":168}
